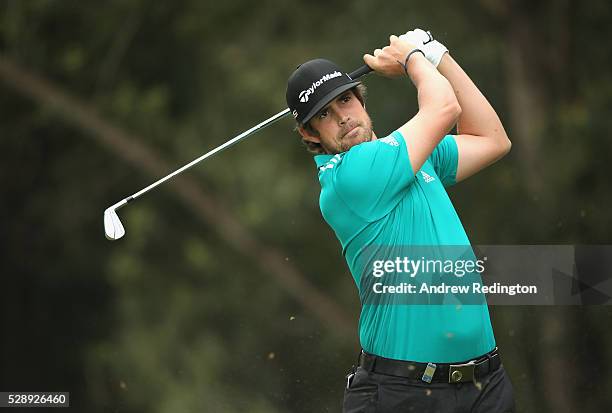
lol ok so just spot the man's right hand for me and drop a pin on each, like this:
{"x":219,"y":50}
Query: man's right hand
{"x":433,"y":49}
{"x":389,"y":61}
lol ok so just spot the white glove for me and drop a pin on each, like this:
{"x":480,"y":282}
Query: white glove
{"x":433,"y":49}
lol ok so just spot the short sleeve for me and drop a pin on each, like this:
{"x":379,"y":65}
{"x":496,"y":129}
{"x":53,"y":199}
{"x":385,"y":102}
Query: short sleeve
{"x":444,"y":159}
{"x":373,"y":176}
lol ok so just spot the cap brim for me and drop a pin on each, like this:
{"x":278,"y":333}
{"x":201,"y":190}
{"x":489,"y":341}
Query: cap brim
{"x":328,"y":98}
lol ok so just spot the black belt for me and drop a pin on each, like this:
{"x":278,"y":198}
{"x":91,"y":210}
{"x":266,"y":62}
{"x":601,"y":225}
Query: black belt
{"x":470,"y":370}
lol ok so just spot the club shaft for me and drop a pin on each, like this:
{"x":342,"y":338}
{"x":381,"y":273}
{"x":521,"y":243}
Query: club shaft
{"x":354,"y":75}
{"x":210,"y":153}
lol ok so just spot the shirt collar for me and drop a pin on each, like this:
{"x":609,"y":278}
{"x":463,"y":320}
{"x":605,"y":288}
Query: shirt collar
{"x":321,"y":160}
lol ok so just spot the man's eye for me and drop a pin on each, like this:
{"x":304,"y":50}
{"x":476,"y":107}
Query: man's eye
{"x":322,"y":114}
{"x":346,"y":98}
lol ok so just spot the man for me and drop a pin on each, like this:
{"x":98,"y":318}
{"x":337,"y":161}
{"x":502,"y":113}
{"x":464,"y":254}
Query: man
{"x":389,"y":192}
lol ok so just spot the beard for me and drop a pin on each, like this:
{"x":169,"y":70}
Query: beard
{"x":354,"y":133}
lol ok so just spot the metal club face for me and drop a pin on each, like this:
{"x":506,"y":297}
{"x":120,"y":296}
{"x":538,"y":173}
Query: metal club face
{"x":112,"y":225}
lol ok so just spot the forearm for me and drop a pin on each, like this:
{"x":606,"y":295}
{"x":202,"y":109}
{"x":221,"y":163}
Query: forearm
{"x":478,"y":116}
{"x":438,"y":112}
{"x":434,"y":91}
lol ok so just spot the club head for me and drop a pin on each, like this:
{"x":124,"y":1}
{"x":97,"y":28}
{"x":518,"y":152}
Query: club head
{"x":112,"y":225}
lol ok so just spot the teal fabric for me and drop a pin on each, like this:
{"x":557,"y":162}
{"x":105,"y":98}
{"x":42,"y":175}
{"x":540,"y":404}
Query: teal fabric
{"x":371,"y":198}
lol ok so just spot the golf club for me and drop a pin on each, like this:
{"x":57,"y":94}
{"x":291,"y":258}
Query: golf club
{"x":113,"y":227}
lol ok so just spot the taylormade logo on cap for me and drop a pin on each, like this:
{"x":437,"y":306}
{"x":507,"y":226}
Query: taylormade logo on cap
{"x":305,"y":94}
{"x":313,"y":85}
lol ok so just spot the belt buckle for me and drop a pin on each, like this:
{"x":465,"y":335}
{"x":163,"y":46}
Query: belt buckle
{"x":461,"y":372}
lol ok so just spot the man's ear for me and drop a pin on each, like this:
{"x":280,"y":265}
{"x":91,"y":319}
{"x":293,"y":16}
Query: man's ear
{"x":308,"y":136}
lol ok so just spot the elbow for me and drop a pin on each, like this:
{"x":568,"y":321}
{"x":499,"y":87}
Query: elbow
{"x":508,"y":146}
{"x":456,"y":109}
{"x":451,"y":111}
{"x":504,"y":146}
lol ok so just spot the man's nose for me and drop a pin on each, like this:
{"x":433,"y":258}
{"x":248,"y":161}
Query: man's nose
{"x":343,"y":118}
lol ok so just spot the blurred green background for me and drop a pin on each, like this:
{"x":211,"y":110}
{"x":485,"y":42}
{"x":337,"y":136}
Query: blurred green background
{"x":229,"y":292}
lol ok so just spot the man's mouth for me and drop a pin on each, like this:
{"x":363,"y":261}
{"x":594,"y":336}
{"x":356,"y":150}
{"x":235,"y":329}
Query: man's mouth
{"x":352,"y":129}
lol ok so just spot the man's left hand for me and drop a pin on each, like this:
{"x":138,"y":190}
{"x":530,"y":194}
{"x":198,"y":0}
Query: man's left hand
{"x":433,"y":49}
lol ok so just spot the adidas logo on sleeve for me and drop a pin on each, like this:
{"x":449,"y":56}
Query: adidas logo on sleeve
{"x":427,"y":178}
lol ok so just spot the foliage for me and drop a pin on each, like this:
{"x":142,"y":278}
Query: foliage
{"x":173,"y":318}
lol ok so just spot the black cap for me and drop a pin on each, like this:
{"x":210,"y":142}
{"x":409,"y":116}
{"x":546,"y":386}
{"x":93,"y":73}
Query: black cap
{"x":313,"y":85}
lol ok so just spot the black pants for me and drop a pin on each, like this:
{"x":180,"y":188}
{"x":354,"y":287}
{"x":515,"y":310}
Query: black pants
{"x":370,"y":392}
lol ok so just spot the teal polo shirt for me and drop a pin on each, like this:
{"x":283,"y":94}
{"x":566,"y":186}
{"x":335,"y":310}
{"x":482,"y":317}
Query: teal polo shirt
{"x":370,"y":197}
